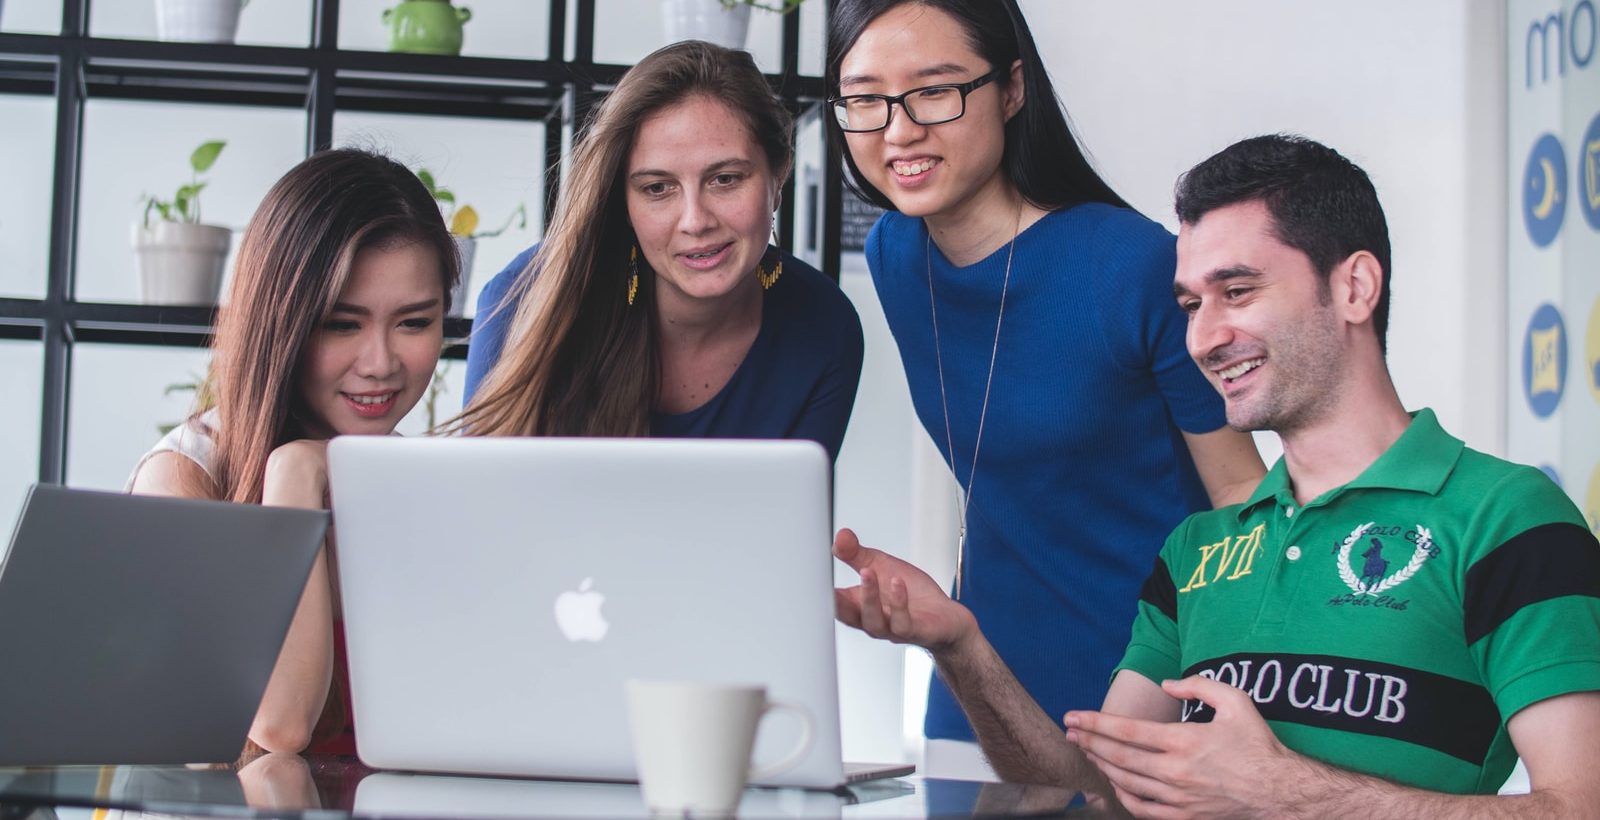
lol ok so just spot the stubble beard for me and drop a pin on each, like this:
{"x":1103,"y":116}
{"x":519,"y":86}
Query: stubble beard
{"x":1305,"y":362}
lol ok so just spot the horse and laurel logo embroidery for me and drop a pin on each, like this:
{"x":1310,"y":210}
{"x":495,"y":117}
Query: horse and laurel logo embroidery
{"x":1374,"y":578}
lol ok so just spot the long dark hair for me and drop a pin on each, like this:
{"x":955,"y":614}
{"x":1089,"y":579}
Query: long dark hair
{"x":578,"y":359}
{"x":293,"y":263}
{"x":1043,"y":159}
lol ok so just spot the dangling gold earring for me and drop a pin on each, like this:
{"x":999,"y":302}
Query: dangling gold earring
{"x":633,"y":268}
{"x":767,"y":280}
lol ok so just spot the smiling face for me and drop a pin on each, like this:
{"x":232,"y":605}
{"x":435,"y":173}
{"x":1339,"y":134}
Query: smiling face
{"x":929,"y":170}
{"x":700,"y":196}
{"x":1261,"y":322}
{"x":373,"y":356}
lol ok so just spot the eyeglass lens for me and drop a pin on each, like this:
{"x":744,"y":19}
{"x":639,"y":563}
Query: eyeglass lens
{"x":926,"y":106}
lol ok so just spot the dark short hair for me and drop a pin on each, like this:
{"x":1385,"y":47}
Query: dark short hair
{"x":1322,"y":204}
{"x":1042,"y":158}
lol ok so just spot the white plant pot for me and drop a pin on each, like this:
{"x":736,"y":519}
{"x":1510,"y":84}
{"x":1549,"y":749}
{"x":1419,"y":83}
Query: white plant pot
{"x":466,"y":249}
{"x":198,"y":21}
{"x":180,"y":264}
{"x":706,"y":20}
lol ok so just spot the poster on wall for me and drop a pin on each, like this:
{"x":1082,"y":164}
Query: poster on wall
{"x":1553,"y":243}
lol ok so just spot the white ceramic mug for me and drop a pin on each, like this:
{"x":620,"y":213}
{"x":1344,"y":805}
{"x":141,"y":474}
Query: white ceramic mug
{"x":692,"y":743}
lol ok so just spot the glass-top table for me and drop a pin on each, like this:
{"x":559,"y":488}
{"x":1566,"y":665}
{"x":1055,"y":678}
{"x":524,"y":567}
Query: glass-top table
{"x":325,"y":787}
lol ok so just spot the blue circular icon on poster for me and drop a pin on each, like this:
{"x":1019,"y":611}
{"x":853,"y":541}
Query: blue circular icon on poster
{"x":1589,"y":173}
{"x":1544,"y":360}
{"x":1551,"y":472}
{"x":1544,"y":190}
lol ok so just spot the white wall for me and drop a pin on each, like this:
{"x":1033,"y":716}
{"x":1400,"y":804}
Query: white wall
{"x":1410,"y":91}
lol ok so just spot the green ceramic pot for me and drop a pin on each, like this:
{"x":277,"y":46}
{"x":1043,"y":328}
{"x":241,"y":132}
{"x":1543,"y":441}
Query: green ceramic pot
{"x":425,"y":26}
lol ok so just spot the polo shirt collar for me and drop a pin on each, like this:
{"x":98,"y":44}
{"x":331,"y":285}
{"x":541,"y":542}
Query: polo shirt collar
{"x":1421,"y":460}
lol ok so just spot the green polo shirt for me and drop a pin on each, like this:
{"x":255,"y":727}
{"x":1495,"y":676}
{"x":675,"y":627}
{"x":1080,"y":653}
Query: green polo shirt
{"x":1392,"y":625}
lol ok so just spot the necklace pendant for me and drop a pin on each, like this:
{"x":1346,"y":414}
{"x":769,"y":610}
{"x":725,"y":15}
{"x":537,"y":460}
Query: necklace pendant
{"x":961,"y":560}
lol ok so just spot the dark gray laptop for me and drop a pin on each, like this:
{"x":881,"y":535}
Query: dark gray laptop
{"x":139,"y":629}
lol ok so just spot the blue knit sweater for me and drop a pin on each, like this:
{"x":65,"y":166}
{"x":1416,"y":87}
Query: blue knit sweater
{"x":1083,"y":469}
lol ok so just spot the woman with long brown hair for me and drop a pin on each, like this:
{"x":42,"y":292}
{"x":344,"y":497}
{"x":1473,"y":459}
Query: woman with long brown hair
{"x":332,"y":326}
{"x":655,"y":305}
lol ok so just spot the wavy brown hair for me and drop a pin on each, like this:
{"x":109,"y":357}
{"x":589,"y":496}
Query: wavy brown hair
{"x":578,"y":359}
{"x":292,"y":265}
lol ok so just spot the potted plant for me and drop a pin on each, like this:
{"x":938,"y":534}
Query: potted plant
{"x":463,"y":222}
{"x":198,"y":21}
{"x":723,"y":22}
{"x":204,"y":396}
{"x":180,"y":260}
{"x":426,"y":26}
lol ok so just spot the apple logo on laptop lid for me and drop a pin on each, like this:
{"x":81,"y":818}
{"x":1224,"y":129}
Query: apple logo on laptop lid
{"x":578,"y":613}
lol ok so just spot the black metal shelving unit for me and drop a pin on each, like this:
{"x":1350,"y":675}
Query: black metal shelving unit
{"x":320,"y":79}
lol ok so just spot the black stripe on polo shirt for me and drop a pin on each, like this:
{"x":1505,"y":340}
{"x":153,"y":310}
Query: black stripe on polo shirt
{"x":1361,"y":696}
{"x":1159,"y":591}
{"x":1548,"y":561}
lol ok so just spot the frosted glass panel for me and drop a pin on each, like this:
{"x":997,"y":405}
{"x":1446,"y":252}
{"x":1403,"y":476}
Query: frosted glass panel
{"x":810,"y":143}
{"x":31,"y":16}
{"x":23,"y":364}
{"x":497,"y":28}
{"x":25,"y":212}
{"x":813,"y":38}
{"x":120,"y":402}
{"x":492,"y":165}
{"x":133,"y":148}
{"x":263,"y":22}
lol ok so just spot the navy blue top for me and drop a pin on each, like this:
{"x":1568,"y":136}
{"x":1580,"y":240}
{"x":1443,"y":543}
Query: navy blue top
{"x":798,"y":380}
{"x":1083,"y":469}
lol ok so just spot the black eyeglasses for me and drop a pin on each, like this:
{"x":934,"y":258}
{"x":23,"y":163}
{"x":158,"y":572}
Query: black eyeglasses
{"x":929,"y":105}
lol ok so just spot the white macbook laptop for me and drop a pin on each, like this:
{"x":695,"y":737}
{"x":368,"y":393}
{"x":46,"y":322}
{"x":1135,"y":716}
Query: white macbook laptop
{"x":498,"y":592}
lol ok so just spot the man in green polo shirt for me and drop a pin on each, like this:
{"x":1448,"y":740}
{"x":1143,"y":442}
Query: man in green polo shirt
{"x":1380,"y":630}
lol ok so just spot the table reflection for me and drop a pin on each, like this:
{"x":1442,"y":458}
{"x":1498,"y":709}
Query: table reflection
{"x":281,"y":782}
{"x":319,"y":787}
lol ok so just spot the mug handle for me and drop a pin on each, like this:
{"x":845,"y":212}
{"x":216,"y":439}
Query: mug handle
{"x":764,"y":772}
{"x":464,"y":14}
{"x":387,"y":13}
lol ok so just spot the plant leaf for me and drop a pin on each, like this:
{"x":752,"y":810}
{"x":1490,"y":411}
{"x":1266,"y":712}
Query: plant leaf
{"x":519,"y":216}
{"x":465,"y":221}
{"x":427,"y":180}
{"x":444,"y":195}
{"x":206,"y":155}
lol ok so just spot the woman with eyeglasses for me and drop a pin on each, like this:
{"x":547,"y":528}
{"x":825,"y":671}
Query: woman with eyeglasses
{"x":655,"y":305}
{"x":1034,"y":314}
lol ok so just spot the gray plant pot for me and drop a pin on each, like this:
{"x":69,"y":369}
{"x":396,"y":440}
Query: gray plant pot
{"x":198,"y":21}
{"x":706,"y":20}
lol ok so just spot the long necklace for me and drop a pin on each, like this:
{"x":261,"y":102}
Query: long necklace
{"x":963,"y":505}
